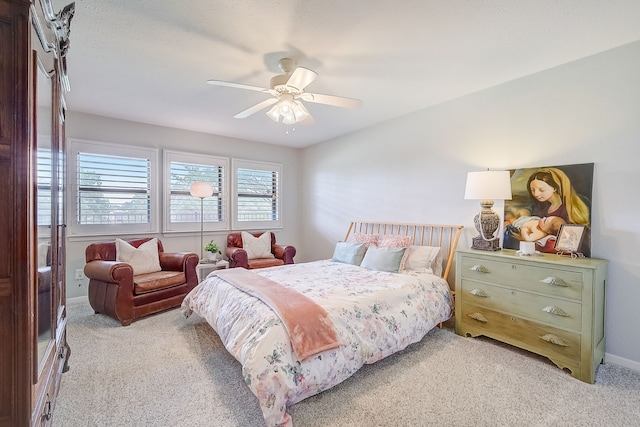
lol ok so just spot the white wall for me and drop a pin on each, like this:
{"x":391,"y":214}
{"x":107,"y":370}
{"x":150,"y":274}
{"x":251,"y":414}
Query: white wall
{"x":96,"y":128}
{"x":414,"y":168}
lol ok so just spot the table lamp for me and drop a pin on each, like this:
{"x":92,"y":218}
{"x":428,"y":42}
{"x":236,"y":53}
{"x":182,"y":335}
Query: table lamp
{"x":487,"y":186}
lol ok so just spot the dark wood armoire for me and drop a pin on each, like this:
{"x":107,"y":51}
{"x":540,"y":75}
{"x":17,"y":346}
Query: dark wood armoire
{"x":34,"y":41}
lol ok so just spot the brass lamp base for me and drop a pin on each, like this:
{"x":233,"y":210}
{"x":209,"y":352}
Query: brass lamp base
{"x":485,"y":245}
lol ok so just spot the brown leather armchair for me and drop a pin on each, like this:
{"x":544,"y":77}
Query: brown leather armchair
{"x":116,"y":292}
{"x":238,"y":256}
{"x":45,"y":286}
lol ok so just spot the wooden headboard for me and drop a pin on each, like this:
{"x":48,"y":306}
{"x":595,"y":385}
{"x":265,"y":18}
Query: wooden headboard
{"x":445,"y":236}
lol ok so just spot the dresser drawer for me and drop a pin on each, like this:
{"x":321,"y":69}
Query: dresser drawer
{"x":549,"y":281}
{"x":550,"y":304}
{"x":557,"y":312}
{"x":542,"y":339}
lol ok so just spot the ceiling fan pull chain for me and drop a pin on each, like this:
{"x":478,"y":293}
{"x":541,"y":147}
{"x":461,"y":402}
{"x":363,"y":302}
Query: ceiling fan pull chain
{"x":286,"y":129}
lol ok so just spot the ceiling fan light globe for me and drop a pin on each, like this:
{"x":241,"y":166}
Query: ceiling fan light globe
{"x":289,"y":120}
{"x":301,"y":116}
{"x":285,"y":108}
{"x":299,"y":111}
{"x":274,"y":113}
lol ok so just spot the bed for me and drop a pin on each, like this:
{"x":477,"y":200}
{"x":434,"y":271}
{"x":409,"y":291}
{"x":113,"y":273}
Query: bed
{"x":371,"y":309}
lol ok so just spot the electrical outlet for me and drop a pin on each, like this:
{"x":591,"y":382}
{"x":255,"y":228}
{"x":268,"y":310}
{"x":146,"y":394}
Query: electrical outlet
{"x":79,"y":274}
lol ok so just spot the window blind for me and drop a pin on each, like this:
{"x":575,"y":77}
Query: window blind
{"x":183,"y":207}
{"x":113,"y":189}
{"x":44,"y":179}
{"x":258,"y":195}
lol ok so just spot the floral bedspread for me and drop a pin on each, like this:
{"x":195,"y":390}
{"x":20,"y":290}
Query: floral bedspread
{"x":375,"y":314}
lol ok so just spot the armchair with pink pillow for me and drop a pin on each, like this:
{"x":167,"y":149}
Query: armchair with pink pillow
{"x":257,"y":250}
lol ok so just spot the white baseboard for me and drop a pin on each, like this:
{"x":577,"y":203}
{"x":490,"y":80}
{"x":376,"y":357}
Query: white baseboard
{"x":78,"y":300}
{"x":621,"y":361}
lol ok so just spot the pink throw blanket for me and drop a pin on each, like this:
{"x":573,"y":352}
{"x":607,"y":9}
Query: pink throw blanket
{"x":310,"y":329}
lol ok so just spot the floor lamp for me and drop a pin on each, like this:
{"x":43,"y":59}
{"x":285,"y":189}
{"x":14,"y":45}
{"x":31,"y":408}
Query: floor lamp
{"x":201,"y":190}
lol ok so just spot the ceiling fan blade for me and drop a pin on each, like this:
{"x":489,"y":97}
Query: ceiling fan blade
{"x":301,"y":77}
{"x":337,"y":101}
{"x":251,"y":110}
{"x":308,"y":121}
{"x":236,"y":85}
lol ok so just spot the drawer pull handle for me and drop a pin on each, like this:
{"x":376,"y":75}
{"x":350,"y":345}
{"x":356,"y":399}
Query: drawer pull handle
{"x":479,"y":268}
{"x":46,"y":416}
{"x":555,"y":310}
{"x":479,"y":293}
{"x":554,"y":281}
{"x":479,"y":317}
{"x":554,"y":339}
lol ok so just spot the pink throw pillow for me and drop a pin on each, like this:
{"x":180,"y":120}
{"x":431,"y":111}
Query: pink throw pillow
{"x":366,"y":239}
{"x":392,"y":241}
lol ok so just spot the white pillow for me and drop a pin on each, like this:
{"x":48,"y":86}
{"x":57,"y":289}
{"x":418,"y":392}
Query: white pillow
{"x":383,"y":259}
{"x":421,"y":259}
{"x":144,"y":259}
{"x":349,"y":253}
{"x":43,"y":249}
{"x":257,"y":247}
{"x":436,"y":265}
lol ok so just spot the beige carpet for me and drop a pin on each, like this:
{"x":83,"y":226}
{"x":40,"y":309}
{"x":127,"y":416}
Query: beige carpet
{"x":166,"y":370}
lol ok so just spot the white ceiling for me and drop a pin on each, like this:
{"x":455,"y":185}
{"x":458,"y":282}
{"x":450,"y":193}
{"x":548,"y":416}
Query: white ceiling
{"x":148,"y":60}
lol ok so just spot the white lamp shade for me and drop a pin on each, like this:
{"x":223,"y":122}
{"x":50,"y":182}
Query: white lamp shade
{"x":488,"y":185}
{"x":201,"y":189}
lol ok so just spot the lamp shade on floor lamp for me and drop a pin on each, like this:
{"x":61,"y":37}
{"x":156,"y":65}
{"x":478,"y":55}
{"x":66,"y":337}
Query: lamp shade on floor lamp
{"x":201,"y":190}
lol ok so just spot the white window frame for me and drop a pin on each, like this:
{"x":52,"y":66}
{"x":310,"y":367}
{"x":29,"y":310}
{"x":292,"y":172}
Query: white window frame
{"x":196,"y":159}
{"x":83,"y":146}
{"x":256,"y":165}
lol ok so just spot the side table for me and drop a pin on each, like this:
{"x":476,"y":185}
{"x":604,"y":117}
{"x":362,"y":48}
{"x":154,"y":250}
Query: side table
{"x":204,"y":268}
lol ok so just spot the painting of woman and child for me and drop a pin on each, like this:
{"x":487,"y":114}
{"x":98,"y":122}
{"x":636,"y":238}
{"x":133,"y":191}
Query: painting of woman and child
{"x":543,"y":200}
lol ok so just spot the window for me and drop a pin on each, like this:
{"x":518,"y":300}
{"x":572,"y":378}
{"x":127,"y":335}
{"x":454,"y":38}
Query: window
{"x":182,"y":210}
{"x":44,"y":183}
{"x":257,"y":192}
{"x":114,"y":189}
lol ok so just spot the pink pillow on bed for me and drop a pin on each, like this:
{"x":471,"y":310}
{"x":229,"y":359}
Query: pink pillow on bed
{"x":366,"y":239}
{"x":394,"y":241}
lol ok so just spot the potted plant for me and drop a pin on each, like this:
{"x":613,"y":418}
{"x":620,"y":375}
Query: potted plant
{"x":213,"y":250}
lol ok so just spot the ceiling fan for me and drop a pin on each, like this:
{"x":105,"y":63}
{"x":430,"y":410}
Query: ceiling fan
{"x":288,"y":90}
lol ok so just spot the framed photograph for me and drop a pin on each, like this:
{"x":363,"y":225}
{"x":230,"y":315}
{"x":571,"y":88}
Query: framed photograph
{"x":569,"y":238}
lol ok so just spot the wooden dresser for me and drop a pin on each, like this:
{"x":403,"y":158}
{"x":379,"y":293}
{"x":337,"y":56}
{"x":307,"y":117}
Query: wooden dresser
{"x":550,"y":305}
